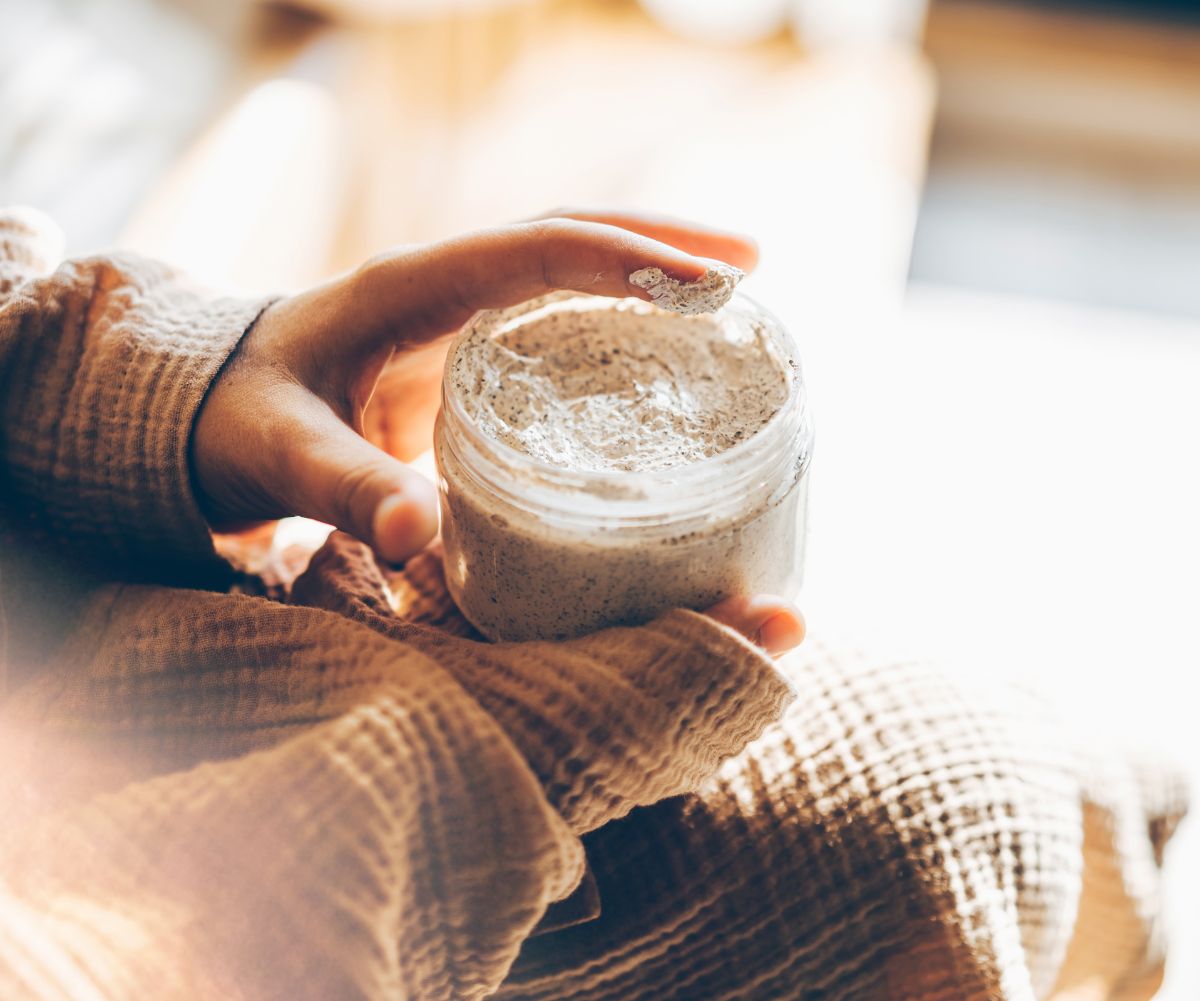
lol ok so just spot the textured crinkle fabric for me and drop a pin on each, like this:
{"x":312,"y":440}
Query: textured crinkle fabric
{"x":104,"y":363}
{"x":897,"y":835}
{"x":327,"y":786}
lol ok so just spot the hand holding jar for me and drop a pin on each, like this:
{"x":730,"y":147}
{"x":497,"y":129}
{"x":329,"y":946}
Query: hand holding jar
{"x":281,"y":431}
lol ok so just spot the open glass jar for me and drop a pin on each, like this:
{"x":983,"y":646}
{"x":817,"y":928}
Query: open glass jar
{"x":536,"y":551}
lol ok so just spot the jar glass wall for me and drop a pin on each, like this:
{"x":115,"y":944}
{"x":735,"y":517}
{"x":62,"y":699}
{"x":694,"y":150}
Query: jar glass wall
{"x":535,"y":551}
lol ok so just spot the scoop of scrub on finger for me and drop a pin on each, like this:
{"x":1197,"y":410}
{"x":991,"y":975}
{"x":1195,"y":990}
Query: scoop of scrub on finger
{"x":706,"y":294}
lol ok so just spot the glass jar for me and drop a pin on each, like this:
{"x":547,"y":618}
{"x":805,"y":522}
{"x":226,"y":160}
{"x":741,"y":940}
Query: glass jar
{"x":535,"y":551}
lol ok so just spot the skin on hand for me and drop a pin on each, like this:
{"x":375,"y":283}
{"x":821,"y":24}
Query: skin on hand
{"x":286,"y":428}
{"x":772,"y":623}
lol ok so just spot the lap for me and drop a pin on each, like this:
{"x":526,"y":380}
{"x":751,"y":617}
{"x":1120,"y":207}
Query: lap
{"x":900,"y":833}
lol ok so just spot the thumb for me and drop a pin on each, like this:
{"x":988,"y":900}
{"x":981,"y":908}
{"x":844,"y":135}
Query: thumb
{"x":341,"y":479}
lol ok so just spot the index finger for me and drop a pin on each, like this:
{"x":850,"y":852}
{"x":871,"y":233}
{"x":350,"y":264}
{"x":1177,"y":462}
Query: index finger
{"x":416,"y":294}
{"x":694,"y":238}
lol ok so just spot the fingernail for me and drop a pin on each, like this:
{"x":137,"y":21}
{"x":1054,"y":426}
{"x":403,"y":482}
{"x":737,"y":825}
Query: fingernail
{"x":781,"y":632}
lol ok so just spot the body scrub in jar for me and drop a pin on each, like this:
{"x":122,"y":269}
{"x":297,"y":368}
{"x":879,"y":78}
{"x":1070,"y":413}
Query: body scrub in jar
{"x":601,"y":461}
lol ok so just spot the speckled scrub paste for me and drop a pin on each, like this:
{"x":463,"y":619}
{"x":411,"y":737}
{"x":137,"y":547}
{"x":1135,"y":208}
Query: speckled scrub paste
{"x":601,"y":460}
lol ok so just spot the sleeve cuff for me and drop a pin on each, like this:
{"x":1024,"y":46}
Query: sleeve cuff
{"x":99,"y":417}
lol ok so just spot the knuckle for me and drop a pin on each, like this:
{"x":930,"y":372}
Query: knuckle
{"x":549,"y":231}
{"x":553,"y":242}
{"x":352,"y":497}
{"x":373,"y":277}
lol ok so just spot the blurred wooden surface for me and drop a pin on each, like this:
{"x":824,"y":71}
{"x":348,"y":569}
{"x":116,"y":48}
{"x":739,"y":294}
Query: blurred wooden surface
{"x":1065,"y":160}
{"x":378,"y":135}
{"x":1068,"y":76}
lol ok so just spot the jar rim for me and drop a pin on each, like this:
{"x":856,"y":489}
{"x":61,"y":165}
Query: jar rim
{"x":731,"y":470}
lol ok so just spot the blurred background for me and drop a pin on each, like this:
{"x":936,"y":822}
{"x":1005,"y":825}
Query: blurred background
{"x":982,"y":220}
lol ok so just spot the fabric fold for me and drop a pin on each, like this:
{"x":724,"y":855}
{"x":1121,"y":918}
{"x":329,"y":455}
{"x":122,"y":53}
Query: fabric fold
{"x":274,"y":802}
{"x":611,"y":721}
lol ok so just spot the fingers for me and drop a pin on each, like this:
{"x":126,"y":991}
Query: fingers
{"x":414,"y":295}
{"x":703,"y":241}
{"x":338,"y":478}
{"x":771,"y":622}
